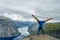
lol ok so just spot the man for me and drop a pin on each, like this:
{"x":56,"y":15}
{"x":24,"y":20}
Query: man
{"x":40,"y":28}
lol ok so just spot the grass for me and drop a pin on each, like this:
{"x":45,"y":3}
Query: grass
{"x":53,"y":29}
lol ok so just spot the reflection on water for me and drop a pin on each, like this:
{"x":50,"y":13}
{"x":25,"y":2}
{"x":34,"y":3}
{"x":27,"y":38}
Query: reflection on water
{"x":21,"y":37}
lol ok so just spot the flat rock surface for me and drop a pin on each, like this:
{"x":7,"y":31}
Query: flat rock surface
{"x":41,"y":37}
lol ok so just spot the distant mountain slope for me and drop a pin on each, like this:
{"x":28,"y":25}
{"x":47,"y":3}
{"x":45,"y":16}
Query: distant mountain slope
{"x":19,"y":24}
{"x":7,"y":28}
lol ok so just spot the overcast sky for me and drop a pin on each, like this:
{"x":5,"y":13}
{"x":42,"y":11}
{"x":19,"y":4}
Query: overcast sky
{"x":23,"y":9}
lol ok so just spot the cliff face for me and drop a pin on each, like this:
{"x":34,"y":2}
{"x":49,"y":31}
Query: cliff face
{"x":6,"y":27}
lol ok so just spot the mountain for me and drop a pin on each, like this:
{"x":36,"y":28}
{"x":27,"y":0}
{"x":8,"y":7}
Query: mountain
{"x":7,"y":28}
{"x":19,"y":24}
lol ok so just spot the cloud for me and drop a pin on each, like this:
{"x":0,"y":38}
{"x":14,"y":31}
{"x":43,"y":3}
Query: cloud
{"x":13,"y":16}
{"x":25,"y":8}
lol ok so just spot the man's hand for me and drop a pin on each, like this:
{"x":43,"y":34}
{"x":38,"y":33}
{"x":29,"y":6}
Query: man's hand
{"x":36,"y":18}
{"x":33,"y":15}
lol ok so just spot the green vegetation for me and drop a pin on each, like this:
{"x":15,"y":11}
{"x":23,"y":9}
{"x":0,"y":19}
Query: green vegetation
{"x":53,"y":29}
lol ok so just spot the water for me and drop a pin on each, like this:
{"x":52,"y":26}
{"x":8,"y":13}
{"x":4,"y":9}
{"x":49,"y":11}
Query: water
{"x":7,"y":38}
{"x":24,"y":33}
{"x":21,"y":37}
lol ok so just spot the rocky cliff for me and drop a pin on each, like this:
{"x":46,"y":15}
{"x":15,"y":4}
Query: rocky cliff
{"x":6,"y":27}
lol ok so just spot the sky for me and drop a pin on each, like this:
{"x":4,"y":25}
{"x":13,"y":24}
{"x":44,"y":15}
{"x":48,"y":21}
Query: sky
{"x":23,"y":9}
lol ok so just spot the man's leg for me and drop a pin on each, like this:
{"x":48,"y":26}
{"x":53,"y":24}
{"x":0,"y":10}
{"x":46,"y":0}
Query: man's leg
{"x":43,"y":32}
{"x":38,"y":32}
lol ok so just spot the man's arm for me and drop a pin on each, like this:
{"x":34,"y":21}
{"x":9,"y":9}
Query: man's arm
{"x":35,"y":18}
{"x":48,"y":19}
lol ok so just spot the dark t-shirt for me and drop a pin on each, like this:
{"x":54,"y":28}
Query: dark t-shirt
{"x":41,"y":24}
